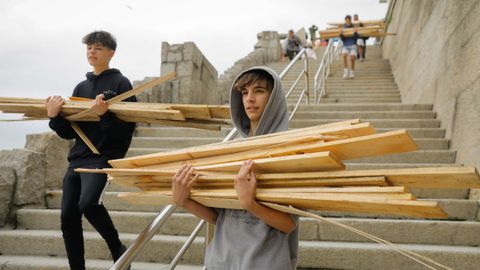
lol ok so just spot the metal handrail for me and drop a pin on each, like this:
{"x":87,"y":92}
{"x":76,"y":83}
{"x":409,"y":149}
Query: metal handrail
{"x":126,"y":259}
{"x":331,"y":52}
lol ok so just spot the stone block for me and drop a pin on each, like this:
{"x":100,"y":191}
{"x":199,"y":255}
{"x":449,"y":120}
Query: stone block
{"x":55,"y":150}
{"x":184,"y":69}
{"x":7,"y":189}
{"x":29,"y":167}
{"x":165,"y":48}
{"x":167,"y":68}
{"x":188,"y":50}
{"x":173,"y":57}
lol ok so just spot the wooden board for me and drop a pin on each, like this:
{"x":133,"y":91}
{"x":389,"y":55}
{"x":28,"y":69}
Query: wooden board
{"x":422,"y":209}
{"x":433,"y":177}
{"x":295,"y":163}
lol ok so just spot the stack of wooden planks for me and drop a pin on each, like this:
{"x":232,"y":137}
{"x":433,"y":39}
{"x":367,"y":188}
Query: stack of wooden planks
{"x":79,"y":109}
{"x":372,"y":28}
{"x":188,"y":115}
{"x":302,"y":168}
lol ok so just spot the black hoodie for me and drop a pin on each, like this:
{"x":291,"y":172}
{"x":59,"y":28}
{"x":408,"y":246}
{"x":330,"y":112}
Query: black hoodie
{"x":110,"y":135}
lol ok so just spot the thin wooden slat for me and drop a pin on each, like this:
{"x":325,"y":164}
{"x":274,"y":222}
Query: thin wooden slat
{"x":161,"y":182}
{"x":432,"y":177}
{"x":135,"y":91}
{"x":294,"y":163}
{"x":292,"y":196}
{"x":84,"y":138}
{"x":422,"y":209}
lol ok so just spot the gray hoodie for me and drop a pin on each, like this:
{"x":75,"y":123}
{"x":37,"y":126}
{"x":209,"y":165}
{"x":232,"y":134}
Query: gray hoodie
{"x":242,"y":241}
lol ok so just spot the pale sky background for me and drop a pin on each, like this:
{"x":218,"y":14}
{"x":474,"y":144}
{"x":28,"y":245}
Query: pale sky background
{"x":41,"y":53}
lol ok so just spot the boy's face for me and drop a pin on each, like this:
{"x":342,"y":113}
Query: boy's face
{"x":99,"y":55}
{"x":255,"y":98}
{"x":348,"y":20}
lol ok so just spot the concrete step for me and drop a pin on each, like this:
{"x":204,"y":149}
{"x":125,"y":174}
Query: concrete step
{"x":419,"y":156}
{"x":420,"y":132}
{"x":365,"y":107}
{"x":365,"y":115}
{"x":369,"y":95}
{"x":377,"y":123}
{"x":326,"y":254}
{"x":360,"y":100}
{"x":179,"y":132}
{"x":456,"y":209}
{"x":61,"y":263}
{"x":171,"y":142}
{"x":362,"y":92}
{"x":419,"y":231}
{"x":369,"y":256}
{"x":352,"y":83}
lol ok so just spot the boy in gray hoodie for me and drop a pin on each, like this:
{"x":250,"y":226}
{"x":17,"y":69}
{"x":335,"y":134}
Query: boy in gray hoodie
{"x":257,"y":237}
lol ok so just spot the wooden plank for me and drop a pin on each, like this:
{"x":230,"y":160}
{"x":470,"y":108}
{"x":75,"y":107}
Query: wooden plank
{"x":161,"y":182}
{"x":240,"y":145}
{"x":294,"y":163}
{"x":84,"y":138}
{"x":422,"y":209}
{"x":293,"y":196}
{"x":432,"y":177}
{"x":135,"y":91}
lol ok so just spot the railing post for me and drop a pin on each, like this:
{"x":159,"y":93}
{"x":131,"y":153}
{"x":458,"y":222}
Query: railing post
{"x":307,"y":83}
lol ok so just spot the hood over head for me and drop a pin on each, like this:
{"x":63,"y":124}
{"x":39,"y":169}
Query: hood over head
{"x":274,"y":118}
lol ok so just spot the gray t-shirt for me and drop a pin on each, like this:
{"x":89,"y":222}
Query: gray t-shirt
{"x":242,"y":241}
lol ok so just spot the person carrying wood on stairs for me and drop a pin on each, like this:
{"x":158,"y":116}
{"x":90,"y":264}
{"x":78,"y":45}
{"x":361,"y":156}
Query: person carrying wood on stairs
{"x":349,"y":48}
{"x":257,"y":237}
{"x":83,"y":192}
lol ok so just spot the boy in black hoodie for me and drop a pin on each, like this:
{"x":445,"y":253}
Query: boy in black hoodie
{"x":83,"y":192}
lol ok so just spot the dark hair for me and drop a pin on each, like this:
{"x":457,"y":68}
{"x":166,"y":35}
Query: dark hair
{"x":102,"y":37}
{"x":348,"y":17}
{"x":250,"y":77}
{"x":290,"y":31}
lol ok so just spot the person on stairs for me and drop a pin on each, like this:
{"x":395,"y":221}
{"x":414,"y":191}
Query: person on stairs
{"x":257,"y":237}
{"x":361,"y":41}
{"x":293,"y":45}
{"x":349,"y":48}
{"x":83,"y":192}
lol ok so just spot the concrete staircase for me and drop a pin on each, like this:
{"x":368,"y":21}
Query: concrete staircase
{"x":37,"y":243}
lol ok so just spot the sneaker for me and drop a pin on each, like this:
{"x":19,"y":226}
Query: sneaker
{"x":351,"y":74}
{"x":362,"y":59}
{"x":345,"y":73}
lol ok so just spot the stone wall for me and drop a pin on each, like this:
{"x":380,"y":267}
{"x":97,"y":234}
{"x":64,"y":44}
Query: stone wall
{"x":196,"y":81}
{"x":26,"y":173}
{"x":267,"y":49}
{"x":435,"y":58}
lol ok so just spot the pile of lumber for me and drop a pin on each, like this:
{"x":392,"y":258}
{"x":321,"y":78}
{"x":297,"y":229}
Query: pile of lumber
{"x":79,"y":109}
{"x":302,"y":168}
{"x":373,"y":28}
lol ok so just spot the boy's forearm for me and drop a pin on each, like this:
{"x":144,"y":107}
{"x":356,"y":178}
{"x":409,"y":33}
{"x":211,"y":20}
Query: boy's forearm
{"x":276,"y":219}
{"x":201,"y":211}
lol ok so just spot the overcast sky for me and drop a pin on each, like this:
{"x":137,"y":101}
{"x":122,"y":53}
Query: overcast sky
{"x":41,"y":53}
